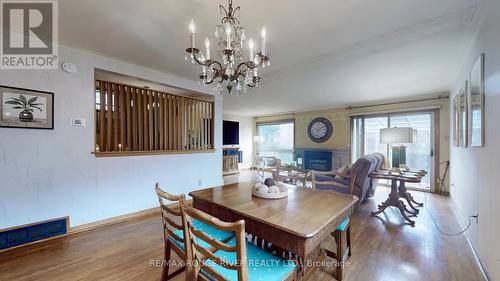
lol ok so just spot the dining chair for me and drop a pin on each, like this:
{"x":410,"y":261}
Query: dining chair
{"x":237,"y":259}
{"x":173,"y":230}
{"x":343,"y":183}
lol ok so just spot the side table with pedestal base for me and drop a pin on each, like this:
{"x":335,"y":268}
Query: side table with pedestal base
{"x":398,"y":192}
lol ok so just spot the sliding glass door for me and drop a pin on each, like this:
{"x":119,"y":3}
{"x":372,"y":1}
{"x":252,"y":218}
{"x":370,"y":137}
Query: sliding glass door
{"x":419,"y":155}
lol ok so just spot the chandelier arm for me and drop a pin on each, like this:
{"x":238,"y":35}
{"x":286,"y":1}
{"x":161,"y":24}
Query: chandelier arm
{"x":252,"y":65}
{"x":212,"y":62}
{"x":241,"y":73}
{"x":251,"y":85}
{"x":215,"y":76}
{"x":207,"y":63}
{"x":249,"y":65}
{"x":198,"y":61}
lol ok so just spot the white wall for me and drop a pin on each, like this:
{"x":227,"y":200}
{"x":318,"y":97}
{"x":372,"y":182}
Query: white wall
{"x":46,"y":174}
{"x":247,"y":125}
{"x":475,"y":171}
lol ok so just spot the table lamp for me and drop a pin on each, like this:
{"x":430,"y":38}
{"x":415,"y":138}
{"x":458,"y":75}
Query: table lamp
{"x":398,"y":137}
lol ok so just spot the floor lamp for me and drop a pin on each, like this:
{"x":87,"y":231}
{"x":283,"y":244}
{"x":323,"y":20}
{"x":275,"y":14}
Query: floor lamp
{"x":398,"y":137}
{"x":257,"y":140}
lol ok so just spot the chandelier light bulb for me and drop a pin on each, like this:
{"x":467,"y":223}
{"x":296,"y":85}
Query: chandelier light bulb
{"x":250,"y":46}
{"x":263,"y":34}
{"x":207,"y":48}
{"x":192,"y":26}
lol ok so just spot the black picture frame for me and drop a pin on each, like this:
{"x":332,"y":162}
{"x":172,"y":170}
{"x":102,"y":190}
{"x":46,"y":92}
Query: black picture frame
{"x":6,"y":93}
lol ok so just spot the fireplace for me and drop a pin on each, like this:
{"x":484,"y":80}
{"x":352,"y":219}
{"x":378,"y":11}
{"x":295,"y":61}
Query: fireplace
{"x":323,"y":159}
{"x":319,"y":160}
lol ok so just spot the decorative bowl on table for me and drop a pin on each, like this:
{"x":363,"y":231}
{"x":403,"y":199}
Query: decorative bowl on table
{"x":270,"y":189}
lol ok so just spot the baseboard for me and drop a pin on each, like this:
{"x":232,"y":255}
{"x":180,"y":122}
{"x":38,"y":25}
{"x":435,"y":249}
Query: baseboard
{"x":119,"y":219}
{"x":230,"y":173}
{"x":475,"y":251}
{"x":114,"y":220}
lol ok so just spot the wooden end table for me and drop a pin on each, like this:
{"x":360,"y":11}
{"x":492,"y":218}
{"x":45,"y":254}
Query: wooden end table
{"x":398,"y":192}
{"x":289,"y":174}
{"x":403,"y":191}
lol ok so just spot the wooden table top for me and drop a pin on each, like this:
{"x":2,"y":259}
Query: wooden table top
{"x":304,"y":212}
{"x":396,"y":175}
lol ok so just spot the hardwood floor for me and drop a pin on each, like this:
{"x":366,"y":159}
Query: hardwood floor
{"x":384,"y":249}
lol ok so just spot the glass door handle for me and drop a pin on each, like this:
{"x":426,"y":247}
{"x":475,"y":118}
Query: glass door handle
{"x":432,"y":152}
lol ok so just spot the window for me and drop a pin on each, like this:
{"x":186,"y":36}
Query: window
{"x":131,"y":120}
{"x":277,"y":140}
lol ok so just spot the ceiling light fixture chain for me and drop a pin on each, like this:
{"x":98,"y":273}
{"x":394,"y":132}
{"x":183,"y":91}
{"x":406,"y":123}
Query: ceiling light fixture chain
{"x":234,"y":71}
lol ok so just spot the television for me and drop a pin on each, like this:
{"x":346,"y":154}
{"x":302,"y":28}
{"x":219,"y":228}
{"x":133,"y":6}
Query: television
{"x":230,"y":132}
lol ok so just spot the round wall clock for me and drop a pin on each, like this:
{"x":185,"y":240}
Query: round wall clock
{"x":320,"y":130}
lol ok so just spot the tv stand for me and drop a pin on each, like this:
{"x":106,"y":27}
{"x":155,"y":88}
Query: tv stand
{"x":230,"y":159}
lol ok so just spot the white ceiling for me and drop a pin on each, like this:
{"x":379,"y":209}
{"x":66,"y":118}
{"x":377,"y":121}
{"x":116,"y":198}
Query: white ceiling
{"x":325,"y":53}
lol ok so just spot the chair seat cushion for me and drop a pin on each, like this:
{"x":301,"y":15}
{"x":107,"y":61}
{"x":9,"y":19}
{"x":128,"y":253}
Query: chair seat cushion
{"x":320,"y":178}
{"x":262,"y":265}
{"x":211,"y":231}
{"x":344,"y":224}
{"x":330,"y":183}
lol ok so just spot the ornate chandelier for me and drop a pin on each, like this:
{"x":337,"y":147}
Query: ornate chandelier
{"x":234,"y":71}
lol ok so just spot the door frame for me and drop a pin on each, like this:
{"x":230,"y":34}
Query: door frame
{"x":435,"y":138}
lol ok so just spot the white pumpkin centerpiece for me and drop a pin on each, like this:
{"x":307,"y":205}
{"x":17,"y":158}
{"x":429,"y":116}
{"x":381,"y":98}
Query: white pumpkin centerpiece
{"x":274,"y":189}
{"x":269,"y":189}
{"x":282,"y":187}
{"x":263,"y":189}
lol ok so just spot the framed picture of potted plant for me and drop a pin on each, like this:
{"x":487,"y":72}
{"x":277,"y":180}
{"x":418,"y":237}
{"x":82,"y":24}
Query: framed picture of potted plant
{"x":25,"y":108}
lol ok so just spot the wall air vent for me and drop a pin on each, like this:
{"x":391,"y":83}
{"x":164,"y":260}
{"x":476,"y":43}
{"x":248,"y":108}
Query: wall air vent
{"x":25,"y":234}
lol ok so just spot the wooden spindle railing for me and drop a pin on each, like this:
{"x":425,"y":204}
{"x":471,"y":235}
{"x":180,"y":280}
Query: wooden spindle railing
{"x":138,"y":121}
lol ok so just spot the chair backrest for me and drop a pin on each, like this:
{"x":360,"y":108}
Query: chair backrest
{"x":270,"y":161}
{"x":332,"y":180}
{"x":199,"y":254}
{"x":381,"y":160}
{"x":362,"y":168}
{"x":171,"y":213}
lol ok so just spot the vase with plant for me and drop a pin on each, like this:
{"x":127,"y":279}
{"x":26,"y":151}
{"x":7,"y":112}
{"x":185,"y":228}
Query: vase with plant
{"x":27,"y":106}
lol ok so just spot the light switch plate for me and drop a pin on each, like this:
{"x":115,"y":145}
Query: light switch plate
{"x":78,"y":122}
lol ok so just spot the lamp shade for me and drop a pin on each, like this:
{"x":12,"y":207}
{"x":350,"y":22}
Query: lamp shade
{"x":398,"y":135}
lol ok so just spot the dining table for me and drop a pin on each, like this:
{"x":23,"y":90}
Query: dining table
{"x":297,"y":223}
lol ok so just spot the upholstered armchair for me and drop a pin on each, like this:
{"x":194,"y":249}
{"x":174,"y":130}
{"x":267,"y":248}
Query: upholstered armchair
{"x":380,"y":158}
{"x":361,"y":169}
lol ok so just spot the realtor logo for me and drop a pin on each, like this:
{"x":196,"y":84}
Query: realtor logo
{"x":29,"y":34}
